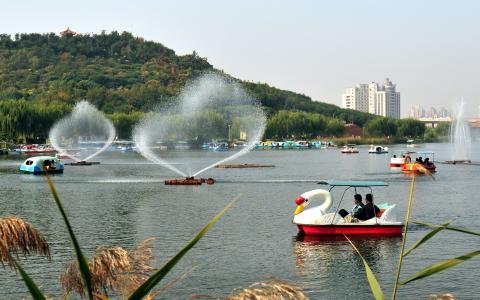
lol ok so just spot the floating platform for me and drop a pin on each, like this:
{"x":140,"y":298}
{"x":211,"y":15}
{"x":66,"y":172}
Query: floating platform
{"x":461,"y":162}
{"x":83,"y":163}
{"x":189,"y":181}
{"x":243,"y":166}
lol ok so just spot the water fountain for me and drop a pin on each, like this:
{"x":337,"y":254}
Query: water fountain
{"x":460,"y":138}
{"x":83,"y":134}
{"x":210,"y":108}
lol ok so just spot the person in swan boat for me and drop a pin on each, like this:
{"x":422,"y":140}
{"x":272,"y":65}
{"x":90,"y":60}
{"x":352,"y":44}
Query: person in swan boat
{"x":368,"y":211}
{"x":357,"y":199}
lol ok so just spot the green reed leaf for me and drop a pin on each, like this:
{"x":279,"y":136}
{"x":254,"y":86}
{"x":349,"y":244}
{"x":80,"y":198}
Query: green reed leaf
{"x":372,"y":280}
{"x":426,"y":237}
{"x":151,"y":282}
{"x":458,"y":229}
{"x":32,"y":287}
{"x":82,"y":262}
{"x":441,"y":266}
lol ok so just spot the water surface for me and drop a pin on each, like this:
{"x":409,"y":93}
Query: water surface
{"x":123,"y":201}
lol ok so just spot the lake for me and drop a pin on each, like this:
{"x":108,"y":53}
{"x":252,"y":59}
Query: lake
{"x":123,"y":200}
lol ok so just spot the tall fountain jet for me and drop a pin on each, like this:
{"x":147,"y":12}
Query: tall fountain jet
{"x":460,"y":138}
{"x":83,"y":134}
{"x":209,"y":108}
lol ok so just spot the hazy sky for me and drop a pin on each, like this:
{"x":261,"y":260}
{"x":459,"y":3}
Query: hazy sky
{"x":430,"y":49}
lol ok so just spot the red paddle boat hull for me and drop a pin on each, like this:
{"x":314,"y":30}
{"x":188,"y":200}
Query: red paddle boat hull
{"x":383,"y":230}
{"x":392,"y":165}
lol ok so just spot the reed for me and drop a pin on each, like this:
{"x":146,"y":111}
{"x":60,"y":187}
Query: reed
{"x":20,"y":237}
{"x":404,"y":237}
{"x":113,"y":269}
{"x":270,"y":290}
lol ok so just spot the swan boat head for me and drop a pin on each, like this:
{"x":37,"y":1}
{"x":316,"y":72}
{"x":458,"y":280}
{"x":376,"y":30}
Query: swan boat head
{"x":303,"y":215}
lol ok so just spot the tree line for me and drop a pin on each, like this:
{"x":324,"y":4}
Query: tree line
{"x":21,"y":120}
{"x":284,"y":124}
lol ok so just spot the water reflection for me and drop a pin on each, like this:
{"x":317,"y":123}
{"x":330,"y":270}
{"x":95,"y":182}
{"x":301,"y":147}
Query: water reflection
{"x":334,"y":256}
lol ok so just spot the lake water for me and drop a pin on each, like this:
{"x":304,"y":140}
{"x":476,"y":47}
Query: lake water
{"x":123,"y":201}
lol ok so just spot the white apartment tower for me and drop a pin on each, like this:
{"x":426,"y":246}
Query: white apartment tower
{"x":382,"y":100}
{"x":356,"y":98}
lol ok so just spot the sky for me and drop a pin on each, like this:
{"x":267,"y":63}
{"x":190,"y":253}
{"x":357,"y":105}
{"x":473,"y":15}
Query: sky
{"x":429,"y":49}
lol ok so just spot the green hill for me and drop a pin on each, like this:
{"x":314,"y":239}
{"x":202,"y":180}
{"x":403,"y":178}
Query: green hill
{"x":43,"y":75}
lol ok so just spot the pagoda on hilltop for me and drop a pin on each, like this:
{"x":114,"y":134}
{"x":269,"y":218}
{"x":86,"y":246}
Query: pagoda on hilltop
{"x":68,"y":32}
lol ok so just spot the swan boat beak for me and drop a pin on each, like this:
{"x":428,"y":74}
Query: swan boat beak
{"x":299,"y":209}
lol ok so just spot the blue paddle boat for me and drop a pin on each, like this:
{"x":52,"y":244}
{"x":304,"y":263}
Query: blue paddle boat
{"x":42,"y":165}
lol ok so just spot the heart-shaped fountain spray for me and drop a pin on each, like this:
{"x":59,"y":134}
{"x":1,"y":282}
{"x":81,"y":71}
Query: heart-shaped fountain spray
{"x":211,"y":108}
{"x":82,"y":134}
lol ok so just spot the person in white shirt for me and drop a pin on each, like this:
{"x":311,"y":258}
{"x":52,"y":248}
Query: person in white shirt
{"x":357,"y":199}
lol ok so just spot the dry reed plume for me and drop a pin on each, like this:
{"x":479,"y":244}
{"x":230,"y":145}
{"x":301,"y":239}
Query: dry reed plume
{"x":20,"y":237}
{"x":441,"y":296}
{"x":271,"y":290}
{"x":113,"y":269}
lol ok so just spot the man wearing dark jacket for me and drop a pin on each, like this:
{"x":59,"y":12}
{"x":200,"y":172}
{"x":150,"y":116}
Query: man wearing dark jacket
{"x":368,"y":211}
{"x":357,"y":199}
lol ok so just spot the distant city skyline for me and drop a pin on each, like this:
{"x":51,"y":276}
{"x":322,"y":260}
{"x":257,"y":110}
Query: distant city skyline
{"x":318,"y":48}
{"x":418,"y":111}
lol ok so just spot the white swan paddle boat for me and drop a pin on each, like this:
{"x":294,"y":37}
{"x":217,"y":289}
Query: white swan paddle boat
{"x":377,"y":149}
{"x":411,"y":144}
{"x":42,"y":165}
{"x":349,"y":149}
{"x":320,"y":221}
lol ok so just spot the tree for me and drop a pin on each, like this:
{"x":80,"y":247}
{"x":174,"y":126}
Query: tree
{"x":335,"y":127}
{"x":411,"y":128}
{"x":381,"y":126}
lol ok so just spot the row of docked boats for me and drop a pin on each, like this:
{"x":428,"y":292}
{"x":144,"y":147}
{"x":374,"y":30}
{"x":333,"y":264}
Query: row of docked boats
{"x":32,"y":149}
{"x":296,"y":145}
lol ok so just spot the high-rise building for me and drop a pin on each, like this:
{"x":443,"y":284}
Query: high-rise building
{"x":356,"y":98}
{"x":382,"y":100}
